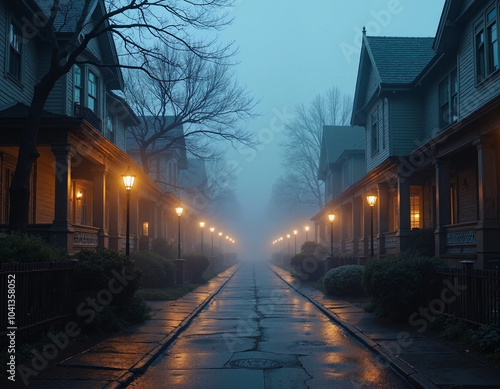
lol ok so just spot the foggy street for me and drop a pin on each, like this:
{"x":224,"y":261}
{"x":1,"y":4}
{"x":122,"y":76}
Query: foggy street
{"x":258,"y":332}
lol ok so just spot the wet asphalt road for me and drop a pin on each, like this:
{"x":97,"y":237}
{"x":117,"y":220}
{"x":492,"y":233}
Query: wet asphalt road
{"x":257,"y":333}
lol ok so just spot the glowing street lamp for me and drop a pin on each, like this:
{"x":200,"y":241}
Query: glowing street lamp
{"x":295,"y":237}
{"x":331,"y":217}
{"x":202,"y":226}
{"x":307,"y":230}
{"x":212,"y":229}
{"x":371,"y":199}
{"x":178,"y":211}
{"x":220,"y":242}
{"x":288,"y":243}
{"x":128,"y":182}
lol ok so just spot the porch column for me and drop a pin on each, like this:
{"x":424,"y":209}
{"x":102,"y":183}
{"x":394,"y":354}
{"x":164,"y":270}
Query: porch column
{"x":443,"y":205}
{"x":134,"y":222}
{"x":113,"y":194}
{"x":61,"y":232}
{"x":383,"y":215}
{"x":356,"y":225}
{"x":403,"y":234}
{"x":488,"y":228}
{"x":99,"y":203}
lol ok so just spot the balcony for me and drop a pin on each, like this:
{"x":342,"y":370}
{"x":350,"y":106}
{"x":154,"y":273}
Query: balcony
{"x":88,"y":115}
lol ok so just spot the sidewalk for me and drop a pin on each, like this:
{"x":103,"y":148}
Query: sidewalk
{"x":114,"y":362}
{"x":421,"y":360}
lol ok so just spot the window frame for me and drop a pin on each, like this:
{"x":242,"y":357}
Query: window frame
{"x":89,"y":93}
{"x":486,"y":50}
{"x":78,"y":87}
{"x":11,"y":51}
{"x":374,"y":135}
{"x":448,"y":107}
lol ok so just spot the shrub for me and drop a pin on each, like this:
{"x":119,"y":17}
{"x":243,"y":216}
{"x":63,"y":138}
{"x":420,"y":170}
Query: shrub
{"x":399,"y":285}
{"x":195,"y":265}
{"x":307,"y":267}
{"x":486,"y":338}
{"x":24,"y":248}
{"x":157,"y":272}
{"x":115,"y":301}
{"x":314,"y":248}
{"x":163,"y":248}
{"x":344,"y":281}
{"x":422,"y":242}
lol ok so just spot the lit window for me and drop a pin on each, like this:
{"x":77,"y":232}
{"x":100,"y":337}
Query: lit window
{"x":15,"y":52}
{"x":415,"y":212}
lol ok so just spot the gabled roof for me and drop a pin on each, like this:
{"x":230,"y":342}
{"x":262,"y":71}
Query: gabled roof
{"x":395,"y":61}
{"x":69,"y":13}
{"x":336,"y":141}
{"x":399,"y":60}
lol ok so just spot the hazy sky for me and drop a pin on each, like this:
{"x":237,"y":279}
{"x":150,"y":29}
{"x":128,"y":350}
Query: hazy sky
{"x":290,"y":51}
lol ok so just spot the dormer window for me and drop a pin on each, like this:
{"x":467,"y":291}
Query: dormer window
{"x":15,"y":52}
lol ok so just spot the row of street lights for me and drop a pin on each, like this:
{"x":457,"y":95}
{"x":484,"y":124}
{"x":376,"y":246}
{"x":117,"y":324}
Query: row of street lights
{"x":179,"y":211}
{"x":371,"y":200}
{"x":295,"y":232}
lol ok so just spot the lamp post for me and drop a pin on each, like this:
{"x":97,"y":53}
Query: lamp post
{"x":295,"y":237}
{"x":202,"y":226}
{"x":371,"y":199}
{"x":220,"y":242}
{"x":307,"y":230}
{"x":212,"y":229}
{"x":178,"y":211}
{"x":128,"y":182}
{"x":331,"y":217}
{"x":288,"y":243}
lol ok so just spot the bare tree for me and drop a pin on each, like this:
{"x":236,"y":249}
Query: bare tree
{"x":189,"y":91}
{"x":221,"y":188}
{"x":302,"y":145}
{"x":139,"y":27}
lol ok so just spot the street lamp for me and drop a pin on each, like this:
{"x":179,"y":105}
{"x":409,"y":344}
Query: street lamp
{"x":128,"y":182}
{"x":371,"y":199}
{"x":178,"y":211}
{"x":212,"y":229}
{"x":307,"y":230}
{"x":202,"y":226}
{"x":288,"y":244}
{"x":331,"y":217}
{"x":220,"y":242}
{"x":295,"y":237}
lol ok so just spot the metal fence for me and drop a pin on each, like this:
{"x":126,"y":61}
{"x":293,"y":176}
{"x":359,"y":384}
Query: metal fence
{"x":34,"y":296}
{"x":471,"y":294}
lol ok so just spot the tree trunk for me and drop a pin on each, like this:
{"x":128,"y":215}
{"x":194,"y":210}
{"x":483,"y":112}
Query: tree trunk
{"x":27,"y":155}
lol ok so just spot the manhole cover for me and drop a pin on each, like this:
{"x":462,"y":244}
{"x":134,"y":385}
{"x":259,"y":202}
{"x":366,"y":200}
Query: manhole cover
{"x":256,"y":363}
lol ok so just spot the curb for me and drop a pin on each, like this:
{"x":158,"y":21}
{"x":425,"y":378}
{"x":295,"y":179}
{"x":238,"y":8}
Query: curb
{"x":141,"y":366}
{"x":410,"y":374}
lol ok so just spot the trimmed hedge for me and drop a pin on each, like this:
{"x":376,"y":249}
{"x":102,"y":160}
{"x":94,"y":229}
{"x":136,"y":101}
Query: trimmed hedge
{"x":344,"y":281}
{"x":21,"y":248}
{"x":307,"y":267}
{"x":105,"y":286}
{"x":163,"y":248}
{"x":399,"y":285}
{"x":157,"y":272}
{"x":195,"y":265}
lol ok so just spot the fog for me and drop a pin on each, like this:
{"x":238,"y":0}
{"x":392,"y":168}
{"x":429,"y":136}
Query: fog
{"x":289,"y":52}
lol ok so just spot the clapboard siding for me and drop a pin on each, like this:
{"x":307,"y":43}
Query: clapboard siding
{"x":376,"y":158}
{"x":406,"y":124}
{"x":12,"y":91}
{"x":467,"y":196}
{"x":45,"y":186}
{"x":57,"y":95}
{"x":372,"y":84}
{"x":473,"y":96}
{"x":120,"y":136}
{"x":431,"y":112}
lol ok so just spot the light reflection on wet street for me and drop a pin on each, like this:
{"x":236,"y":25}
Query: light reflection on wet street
{"x":258,"y":332}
